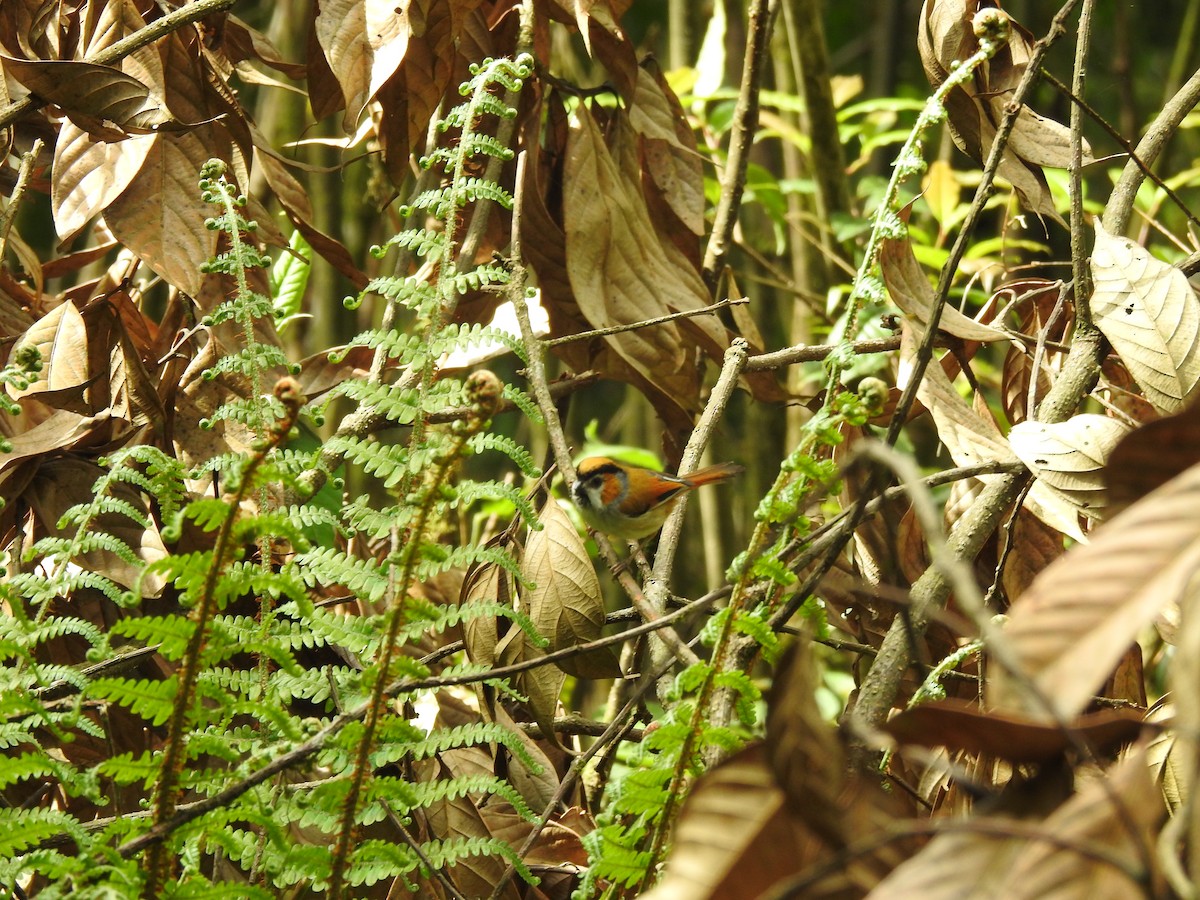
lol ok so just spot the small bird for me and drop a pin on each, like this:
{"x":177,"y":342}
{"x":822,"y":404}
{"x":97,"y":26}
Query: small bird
{"x":632,"y":502}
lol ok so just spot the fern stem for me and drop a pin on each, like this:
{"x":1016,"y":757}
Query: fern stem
{"x":400,"y":581}
{"x":287,"y":390}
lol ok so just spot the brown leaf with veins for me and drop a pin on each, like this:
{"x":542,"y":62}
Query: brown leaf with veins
{"x":100,"y":99}
{"x":61,"y":339}
{"x":89,"y":174}
{"x":620,"y":270}
{"x":409,"y":97}
{"x":160,"y":215}
{"x":1075,"y":623}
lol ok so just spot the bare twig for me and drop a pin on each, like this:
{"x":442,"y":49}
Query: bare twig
{"x":645,"y":323}
{"x":745,"y":124}
{"x":658,"y":588}
{"x":14,"y":202}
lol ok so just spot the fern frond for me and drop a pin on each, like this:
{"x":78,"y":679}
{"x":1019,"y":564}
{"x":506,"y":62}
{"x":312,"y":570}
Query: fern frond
{"x":151,"y":700}
{"x":510,"y":448}
{"x":422,"y":242}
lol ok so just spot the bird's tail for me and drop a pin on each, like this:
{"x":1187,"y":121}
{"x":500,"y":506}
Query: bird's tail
{"x":713,"y":474}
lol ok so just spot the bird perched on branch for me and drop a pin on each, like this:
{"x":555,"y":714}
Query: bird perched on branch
{"x":632,"y":502}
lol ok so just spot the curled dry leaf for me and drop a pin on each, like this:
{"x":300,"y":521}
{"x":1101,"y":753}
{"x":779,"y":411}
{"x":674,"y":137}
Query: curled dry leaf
{"x":1068,"y":457}
{"x":944,"y":39}
{"x":364,"y":43}
{"x":1150,"y":315}
{"x":962,"y":725}
{"x":160,"y":216}
{"x":1074,"y":624}
{"x":60,"y":336}
{"x":566,"y":604}
{"x":89,"y":174}
{"x":735,"y":837}
{"x":910,"y":290}
{"x":972,"y":438}
{"x":621,"y":271}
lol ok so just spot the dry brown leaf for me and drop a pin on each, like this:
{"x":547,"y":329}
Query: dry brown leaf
{"x":295,"y":201}
{"x":1150,"y":315}
{"x":455,"y":817}
{"x":1093,"y":819}
{"x":484,"y":583}
{"x":1079,"y":617}
{"x":160,"y":216}
{"x":60,"y":337}
{"x":1039,"y":545}
{"x":961,"y":725}
{"x":911,"y":292}
{"x":542,"y":686}
{"x":969,"y":438}
{"x":993,"y":860}
{"x":60,"y":431}
{"x":1069,"y":457}
{"x":565,"y":604}
{"x":92,"y":95}
{"x":669,"y":148}
{"x":89,"y":174}
{"x":621,"y":271}
{"x":734,"y":838}
{"x":945,"y":38}
{"x":409,"y":97}
{"x":1152,"y":455}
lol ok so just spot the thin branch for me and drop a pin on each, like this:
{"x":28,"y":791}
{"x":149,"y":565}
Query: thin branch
{"x":1164,"y":126}
{"x":659,"y":320}
{"x":14,"y":202}
{"x":745,"y":124}
{"x":658,"y":587}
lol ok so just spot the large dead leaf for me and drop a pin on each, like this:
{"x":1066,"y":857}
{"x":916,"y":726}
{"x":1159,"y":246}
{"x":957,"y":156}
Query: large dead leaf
{"x":489,"y":583}
{"x":1152,"y":455}
{"x":409,"y":96}
{"x":620,"y":270}
{"x":910,"y":290}
{"x":60,"y":337}
{"x":1079,"y":617}
{"x":1150,"y":315}
{"x":669,"y":148}
{"x":972,"y":438}
{"x":456,"y":817}
{"x":1065,"y":855}
{"x":734,"y":838}
{"x":89,"y":174}
{"x":160,"y":216}
{"x":92,"y":95}
{"x":364,"y":42}
{"x":566,"y":604}
{"x":1069,"y":456}
{"x":962,"y":725}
